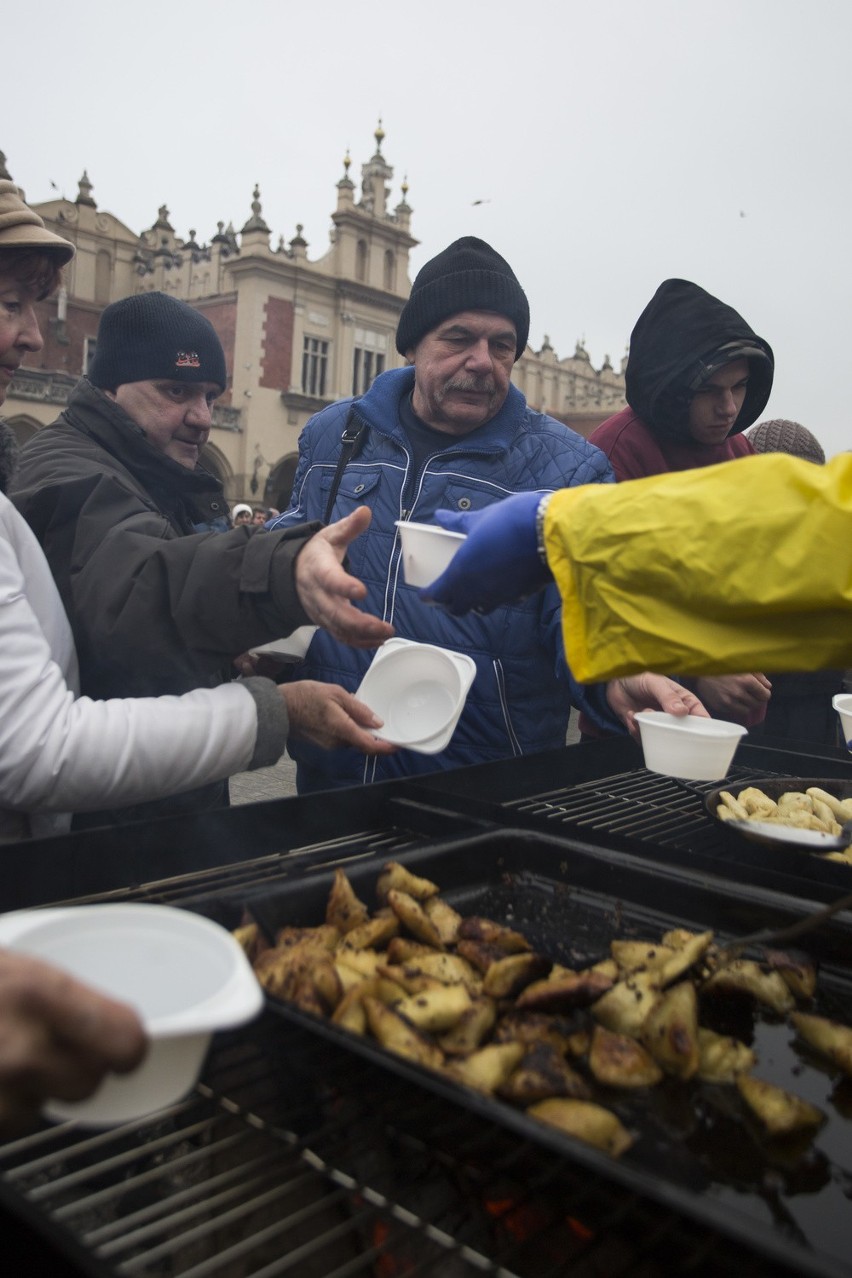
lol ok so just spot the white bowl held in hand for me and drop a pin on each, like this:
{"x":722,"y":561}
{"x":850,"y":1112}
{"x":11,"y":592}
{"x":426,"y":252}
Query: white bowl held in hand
{"x":843,"y":705}
{"x":184,"y":975}
{"x":419,"y":691}
{"x":426,"y":550}
{"x":687,"y":746}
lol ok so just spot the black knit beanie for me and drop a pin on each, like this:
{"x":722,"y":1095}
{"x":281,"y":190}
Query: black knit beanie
{"x":467,"y":276}
{"x":153,"y":335}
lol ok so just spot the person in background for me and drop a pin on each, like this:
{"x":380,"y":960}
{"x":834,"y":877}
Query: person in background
{"x":450,"y":432}
{"x":240,"y":514}
{"x":801,"y":702}
{"x":777,"y":585}
{"x":783,"y":436}
{"x":60,"y":753}
{"x":697,"y":375}
{"x":259,"y":516}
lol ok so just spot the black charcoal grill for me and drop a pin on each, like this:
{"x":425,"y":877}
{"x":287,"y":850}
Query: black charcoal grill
{"x":298,"y":1156}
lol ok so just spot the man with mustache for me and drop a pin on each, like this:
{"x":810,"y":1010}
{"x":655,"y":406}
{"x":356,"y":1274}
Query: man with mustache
{"x":449,"y":432}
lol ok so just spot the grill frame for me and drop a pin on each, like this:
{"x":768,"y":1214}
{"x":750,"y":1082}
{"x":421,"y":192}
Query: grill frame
{"x":289,"y":838}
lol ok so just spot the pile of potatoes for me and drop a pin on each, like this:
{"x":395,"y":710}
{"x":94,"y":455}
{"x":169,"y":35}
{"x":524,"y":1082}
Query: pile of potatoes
{"x":812,"y":809}
{"x":471,"y":999}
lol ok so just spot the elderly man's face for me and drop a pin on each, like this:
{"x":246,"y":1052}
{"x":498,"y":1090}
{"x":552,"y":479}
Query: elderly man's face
{"x":462,"y":370}
{"x":175,"y":416}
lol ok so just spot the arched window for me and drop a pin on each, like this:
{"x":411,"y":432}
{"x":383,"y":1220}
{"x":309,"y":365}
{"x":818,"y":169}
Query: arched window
{"x":103,"y":275}
{"x":390,"y":270}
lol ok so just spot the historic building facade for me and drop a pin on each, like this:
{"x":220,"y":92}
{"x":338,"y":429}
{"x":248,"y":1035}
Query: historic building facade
{"x":298,"y":333}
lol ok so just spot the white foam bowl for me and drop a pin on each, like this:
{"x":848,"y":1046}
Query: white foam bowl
{"x":292,"y":648}
{"x":843,"y":705}
{"x":426,"y":550}
{"x":183,"y":974}
{"x":688,"y":747}
{"x":419,"y":691}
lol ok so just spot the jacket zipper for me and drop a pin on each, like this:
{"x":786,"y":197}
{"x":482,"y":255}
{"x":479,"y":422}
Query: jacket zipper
{"x":504,"y":706}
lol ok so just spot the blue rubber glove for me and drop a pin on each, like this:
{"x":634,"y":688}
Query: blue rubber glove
{"x":497,"y":564}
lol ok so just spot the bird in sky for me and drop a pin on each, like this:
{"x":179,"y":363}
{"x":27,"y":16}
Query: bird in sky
{"x":474,"y":202}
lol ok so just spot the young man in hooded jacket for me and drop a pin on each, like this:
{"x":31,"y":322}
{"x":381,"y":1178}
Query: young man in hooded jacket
{"x":697,"y":376}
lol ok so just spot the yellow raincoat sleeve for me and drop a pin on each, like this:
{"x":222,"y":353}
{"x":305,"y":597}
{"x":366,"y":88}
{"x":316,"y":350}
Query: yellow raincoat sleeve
{"x":742,"y":566}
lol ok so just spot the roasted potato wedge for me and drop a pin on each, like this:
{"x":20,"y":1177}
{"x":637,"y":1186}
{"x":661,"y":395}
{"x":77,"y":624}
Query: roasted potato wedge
{"x":343,"y":910}
{"x":670,"y":1030}
{"x":395,"y":877}
{"x":395,"y":1033}
{"x":617,"y":1060}
{"x":623,"y":1008}
{"x":471,"y":1029}
{"x":489,"y":1067}
{"x":511,"y":974}
{"x":475,"y":928}
{"x":560,"y":993}
{"x":721,"y":1058}
{"x":446,"y":920}
{"x":414,"y":918}
{"x":827,"y":1037}
{"x":744,"y":976}
{"x":780,"y":1112}
{"x":543,"y":1072}
{"x":586,"y":1121}
{"x":435,"y":1010}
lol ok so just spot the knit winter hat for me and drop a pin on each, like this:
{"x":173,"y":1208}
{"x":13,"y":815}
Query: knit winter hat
{"x":22,"y":228}
{"x":154,"y":335}
{"x":780,"y":436}
{"x":467,"y":276}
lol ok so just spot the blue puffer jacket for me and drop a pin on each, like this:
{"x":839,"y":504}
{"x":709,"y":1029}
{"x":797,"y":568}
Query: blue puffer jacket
{"x":521,"y":696}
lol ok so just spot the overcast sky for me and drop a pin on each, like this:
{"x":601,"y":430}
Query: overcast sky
{"x":601,"y":146}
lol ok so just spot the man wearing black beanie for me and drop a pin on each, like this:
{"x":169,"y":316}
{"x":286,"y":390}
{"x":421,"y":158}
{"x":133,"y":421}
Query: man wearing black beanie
{"x":160,"y":604}
{"x":449,"y":432}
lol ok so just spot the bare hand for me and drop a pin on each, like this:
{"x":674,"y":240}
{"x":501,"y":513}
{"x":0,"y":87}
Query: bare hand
{"x":741,"y":698}
{"x":327,"y":591}
{"x":331,"y":717}
{"x":249,"y":664}
{"x":58,"y":1038}
{"x":649,"y":691}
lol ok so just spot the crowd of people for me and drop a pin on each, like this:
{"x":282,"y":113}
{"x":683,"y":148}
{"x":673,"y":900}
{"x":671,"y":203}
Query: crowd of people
{"x":132,"y":596}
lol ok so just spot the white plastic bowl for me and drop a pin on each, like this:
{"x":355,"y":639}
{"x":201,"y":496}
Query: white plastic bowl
{"x":426,"y":550}
{"x":688,"y":747}
{"x":843,"y":705}
{"x":292,"y":648}
{"x":183,"y":974}
{"x":419,"y":691}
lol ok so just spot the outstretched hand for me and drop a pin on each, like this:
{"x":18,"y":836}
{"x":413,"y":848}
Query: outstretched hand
{"x":649,"y":691}
{"x":328,"y":593}
{"x":58,"y":1038}
{"x":327,"y":715}
{"x":498,"y":563}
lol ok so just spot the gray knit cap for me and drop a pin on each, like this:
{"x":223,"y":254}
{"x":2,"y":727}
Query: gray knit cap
{"x":780,"y":436}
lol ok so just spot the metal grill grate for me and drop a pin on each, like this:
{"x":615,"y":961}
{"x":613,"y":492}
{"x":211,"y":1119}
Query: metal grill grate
{"x":294,"y":1158}
{"x":638,"y":804}
{"x":240,"y":877}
